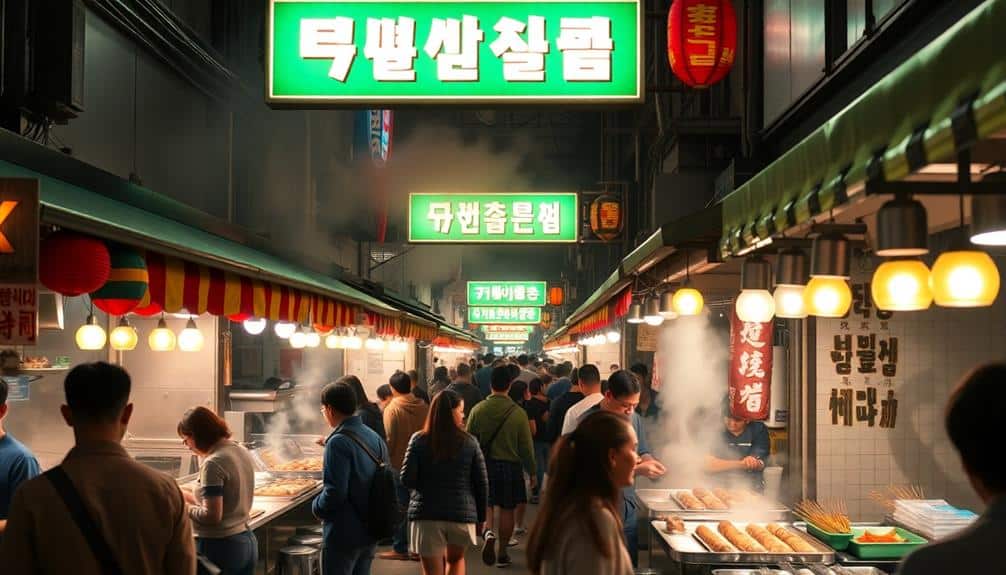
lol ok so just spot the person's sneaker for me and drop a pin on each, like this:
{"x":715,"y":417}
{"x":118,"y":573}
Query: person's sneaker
{"x":513,"y":542}
{"x":519,"y":532}
{"x":489,"y":548}
{"x":503,"y":561}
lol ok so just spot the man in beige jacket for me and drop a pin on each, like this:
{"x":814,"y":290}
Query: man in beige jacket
{"x":405,"y":415}
{"x":133,"y":517}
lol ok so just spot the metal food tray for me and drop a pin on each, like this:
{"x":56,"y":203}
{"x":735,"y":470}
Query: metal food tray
{"x":688,"y":548}
{"x":664,"y":501}
{"x":283,"y":497}
{"x":285,"y":455}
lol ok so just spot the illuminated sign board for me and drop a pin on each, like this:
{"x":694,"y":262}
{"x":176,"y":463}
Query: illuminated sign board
{"x":493,"y":218}
{"x":507,"y":293}
{"x":508,"y":336}
{"x":488,"y":328}
{"x":439,"y":51}
{"x":499,"y":315}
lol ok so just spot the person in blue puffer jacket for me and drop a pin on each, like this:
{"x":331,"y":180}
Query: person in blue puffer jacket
{"x":446,"y":473}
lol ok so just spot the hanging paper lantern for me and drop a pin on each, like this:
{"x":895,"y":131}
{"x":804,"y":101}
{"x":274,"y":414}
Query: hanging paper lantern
{"x":72,"y":264}
{"x":127,"y":282}
{"x":239,"y":317}
{"x":701,"y":40}
{"x":323,"y":329}
{"x":606,"y":217}
{"x":555,"y":295}
{"x":149,"y":310}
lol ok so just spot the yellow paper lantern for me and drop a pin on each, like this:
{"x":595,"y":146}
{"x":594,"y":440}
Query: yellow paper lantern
{"x":827,"y":296}
{"x":966,"y":278}
{"x":124,"y":336}
{"x":901,"y":285}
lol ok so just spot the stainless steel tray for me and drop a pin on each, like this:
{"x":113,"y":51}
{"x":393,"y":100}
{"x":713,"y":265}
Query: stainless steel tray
{"x":661,"y":502}
{"x":687,"y":548}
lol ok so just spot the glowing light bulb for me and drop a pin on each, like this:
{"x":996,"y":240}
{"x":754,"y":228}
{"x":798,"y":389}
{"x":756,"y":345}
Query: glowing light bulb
{"x":284,"y":329}
{"x":333,"y":341}
{"x":688,"y":301}
{"x":298,"y":340}
{"x":789,"y":302}
{"x":162,"y":338}
{"x":614,"y":337}
{"x":312,"y":339}
{"x":124,"y":336}
{"x":755,"y":305}
{"x":901,"y":285}
{"x":255,"y":325}
{"x":90,"y":336}
{"x":967,"y":278}
{"x":827,"y":296}
{"x":190,"y":339}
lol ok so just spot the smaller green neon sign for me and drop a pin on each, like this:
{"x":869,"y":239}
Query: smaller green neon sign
{"x":502,"y":315}
{"x":508,"y":293}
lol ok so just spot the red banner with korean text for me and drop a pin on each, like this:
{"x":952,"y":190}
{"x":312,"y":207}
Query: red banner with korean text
{"x":750,"y":379}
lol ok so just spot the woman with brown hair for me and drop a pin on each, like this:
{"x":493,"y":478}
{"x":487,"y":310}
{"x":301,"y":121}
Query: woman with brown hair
{"x":578,"y":529}
{"x":220,"y":509}
{"x":446,"y":473}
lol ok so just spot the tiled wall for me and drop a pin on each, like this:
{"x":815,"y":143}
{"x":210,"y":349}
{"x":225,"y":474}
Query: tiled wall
{"x":935,"y":347}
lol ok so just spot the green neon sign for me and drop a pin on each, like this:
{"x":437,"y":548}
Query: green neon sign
{"x":493,"y":218}
{"x":506,"y":293}
{"x":502,"y":315}
{"x":441,"y":51}
{"x":489,"y":328}
{"x":508,"y":336}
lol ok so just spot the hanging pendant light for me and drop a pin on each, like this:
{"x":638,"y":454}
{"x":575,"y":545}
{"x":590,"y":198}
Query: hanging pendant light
{"x":651,"y":314}
{"x":988,"y":215}
{"x":284,"y":329}
{"x":755,"y":303}
{"x":311,"y":338}
{"x":162,"y":338}
{"x":124,"y":336}
{"x":635,"y":314}
{"x":901,"y":285}
{"x":902,"y":229}
{"x":667,"y":305}
{"x":353,"y":342}
{"x":790,"y":282}
{"x":334,"y":341}
{"x":827,"y":293}
{"x":688,"y":301}
{"x":254,"y":325}
{"x":965,"y":278}
{"x":190,"y":339}
{"x":613,"y":336}
{"x":90,"y":336}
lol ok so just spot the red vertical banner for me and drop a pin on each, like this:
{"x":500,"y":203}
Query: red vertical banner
{"x":750,"y":379}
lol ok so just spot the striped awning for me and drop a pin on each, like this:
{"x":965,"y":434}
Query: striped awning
{"x":944,"y":98}
{"x":604,"y":316}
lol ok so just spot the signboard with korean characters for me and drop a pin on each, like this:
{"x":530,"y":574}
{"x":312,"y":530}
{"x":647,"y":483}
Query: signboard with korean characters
{"x":475,"y":52}
{"x":750,"y":377}
{"x":18,"y":261}
{"x":507,"y":336}
{"x":499,"y":314}
{"x":493,"y":218}
{"x":490,"y":328}
{"x":513,"y":293}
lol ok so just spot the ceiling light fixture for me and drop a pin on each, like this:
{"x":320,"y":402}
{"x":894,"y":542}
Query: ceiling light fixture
{"x":790,"y":282}
{"x":755,"y":303}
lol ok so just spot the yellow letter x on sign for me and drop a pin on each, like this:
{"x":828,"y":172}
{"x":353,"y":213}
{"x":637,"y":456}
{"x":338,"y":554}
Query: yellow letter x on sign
{"x":5,"y":210}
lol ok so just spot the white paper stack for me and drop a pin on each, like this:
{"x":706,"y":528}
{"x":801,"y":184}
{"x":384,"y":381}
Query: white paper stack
{"x":931,"y":518}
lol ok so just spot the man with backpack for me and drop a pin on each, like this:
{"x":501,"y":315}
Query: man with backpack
{"x":358,"y":504}
{"x":504,"y":434}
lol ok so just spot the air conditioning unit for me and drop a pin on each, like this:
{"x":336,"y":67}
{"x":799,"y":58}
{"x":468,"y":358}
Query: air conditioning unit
{"x":56,"y":59}
{"x":50,"y":310}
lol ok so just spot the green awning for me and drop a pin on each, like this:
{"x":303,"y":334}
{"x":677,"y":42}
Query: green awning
{"x":910,"y":109}
{"x":75,"y":207}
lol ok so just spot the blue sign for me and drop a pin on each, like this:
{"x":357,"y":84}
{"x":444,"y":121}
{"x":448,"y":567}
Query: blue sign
{"x":373,"y":135}
{"x":17,"y":388}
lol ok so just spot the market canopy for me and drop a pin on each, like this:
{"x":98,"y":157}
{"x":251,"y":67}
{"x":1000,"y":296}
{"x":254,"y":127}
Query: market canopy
{"x":945,"y":97}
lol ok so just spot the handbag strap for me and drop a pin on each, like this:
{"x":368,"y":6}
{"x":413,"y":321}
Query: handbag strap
{"x":358,"y":441}
{"x":499,"y":428}
{"x":85,"y":523}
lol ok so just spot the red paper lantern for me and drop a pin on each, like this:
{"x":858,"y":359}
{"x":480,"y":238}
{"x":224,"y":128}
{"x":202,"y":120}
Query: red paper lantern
{"x":323,"y":329}
{"x":151,"y":309}
{"x":72,"y":264}
{"x":127,"y":281}
{"x":555,"y":295}
{"x":701,"y":40}
{"x":239,"y":317}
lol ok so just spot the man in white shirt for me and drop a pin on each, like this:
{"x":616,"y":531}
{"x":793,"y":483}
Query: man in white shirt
{"x":590,"y":385}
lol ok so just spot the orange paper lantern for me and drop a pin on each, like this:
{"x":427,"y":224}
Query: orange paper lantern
{"x":555,"y":296}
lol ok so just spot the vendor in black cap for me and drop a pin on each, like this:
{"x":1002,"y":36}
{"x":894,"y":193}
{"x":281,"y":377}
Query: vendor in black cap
{"x":740,"y":453}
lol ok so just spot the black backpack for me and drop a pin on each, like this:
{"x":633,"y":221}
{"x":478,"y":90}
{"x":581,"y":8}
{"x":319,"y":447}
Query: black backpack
{"x":384,"y":514}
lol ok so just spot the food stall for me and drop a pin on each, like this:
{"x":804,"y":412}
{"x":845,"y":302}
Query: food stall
{"x":112,"y":281}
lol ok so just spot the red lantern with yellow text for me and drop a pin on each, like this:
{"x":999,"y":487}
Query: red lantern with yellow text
{"x":606,"y":217}
{"x":701,"y":40}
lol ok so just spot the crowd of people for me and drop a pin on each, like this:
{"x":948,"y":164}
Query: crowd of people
{"x":434,"y":471}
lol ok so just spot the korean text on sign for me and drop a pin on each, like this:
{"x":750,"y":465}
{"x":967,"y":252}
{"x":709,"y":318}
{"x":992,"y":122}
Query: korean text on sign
{"x":495,"y":218}
{"x":18,"y":314}
{"x":584,"y":44}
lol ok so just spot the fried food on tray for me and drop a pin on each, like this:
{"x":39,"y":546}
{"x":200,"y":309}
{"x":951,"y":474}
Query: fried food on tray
{"x":795,"y":542}
{"x":709,"y":500}
{"x":304,"y":464}
{"x":891,"y":536}
{"x":675,"y":524}
{"x":727,"y":497}
{"x":712,"y":540}
{"x":768,"y":541}
{"x":689,"y":501}
{"x":284,"y":487}
{"x":739,"y":539}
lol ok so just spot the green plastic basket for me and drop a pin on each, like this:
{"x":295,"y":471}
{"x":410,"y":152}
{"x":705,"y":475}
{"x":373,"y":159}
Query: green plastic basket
{"x":837,"y":541}
{"x":885,"y":550}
